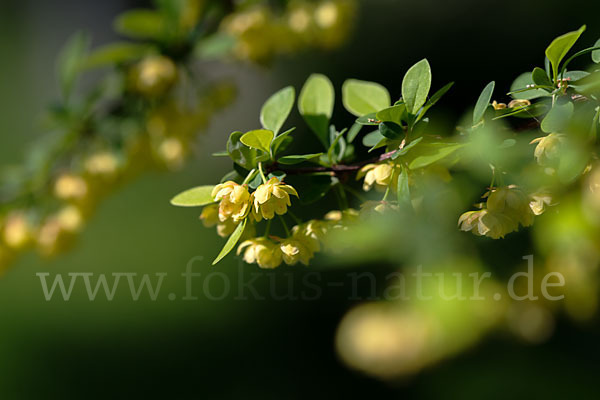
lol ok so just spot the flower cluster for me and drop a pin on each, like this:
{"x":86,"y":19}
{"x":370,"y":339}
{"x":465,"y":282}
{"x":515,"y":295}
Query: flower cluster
{"x":300,"y":247}
{"x":262,"y":33}
{"x":505,"y":210}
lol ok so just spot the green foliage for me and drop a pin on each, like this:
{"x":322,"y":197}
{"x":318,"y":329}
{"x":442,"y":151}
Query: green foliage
{"x":141,"y":24}
{"x":277,"y":108}
{"x":559,"y":48}
{"x":70,"y":62}
{"x":259,"y":139}
{"x":195,"y":197}
{"x":362,"y":98}
{"x":231,"y":241}
{"x":483,"y":102}
{"x":316,"y":105}
{"x":416,"y":85}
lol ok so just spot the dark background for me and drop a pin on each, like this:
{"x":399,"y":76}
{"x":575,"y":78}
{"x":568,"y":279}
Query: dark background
{"x":254,"y":349}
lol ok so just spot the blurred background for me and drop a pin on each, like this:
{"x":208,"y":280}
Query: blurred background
{"x":255,"y":348}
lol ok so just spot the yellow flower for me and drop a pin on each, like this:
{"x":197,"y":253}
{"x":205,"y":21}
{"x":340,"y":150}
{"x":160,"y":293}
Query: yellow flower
{"x":104,"y":163}
{"x":341,"y":219}
{"x":379,"y":207}
{"x":311,"y":234}
{"x":486,"y":223}
{"x":153,"y":75}
{"x":235,"y":201}
{"x":498,"y":106}
{"x":512,"y":202}
{"x":70,"y":219}
{"x":519,"y":103}
{"x":327,"y":14}
{"x":294,"y":250}
{"x":380,"y":175}
{"x":539,"y":201}
{"x":226,"y":228}
{"x":17,"y":230}
{"x":261,"y":251}
{"x":210,"y":215}
{"x":271,"y":198}
{"x":70,"y":187}
{"x":548,"y":147}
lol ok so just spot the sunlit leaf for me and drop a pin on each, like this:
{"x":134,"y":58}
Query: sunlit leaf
{"x":416,"y":85}
{"x":258,"y":139}
{"x":195,"y":197}
{"x":362,"y":97}
{"x":559,"y":48}
{"x":277,"y":109}
{"x":315,"y":104}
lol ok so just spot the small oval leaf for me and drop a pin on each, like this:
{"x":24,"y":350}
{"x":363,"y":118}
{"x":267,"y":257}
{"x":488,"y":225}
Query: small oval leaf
{"x":416,"y":85}
{"x":195,"y":197}
{"x":277,"y":109}
{"x":362,"y":97}
{"x":483,"y":102}
{"x":258,"y":139}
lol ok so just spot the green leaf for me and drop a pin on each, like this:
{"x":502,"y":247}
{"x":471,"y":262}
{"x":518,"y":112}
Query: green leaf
{"x":521,"y":84}
{"x":195,"y":197}
{"x":483,"y":102}
{"x":539,"y":77}
{"x":239,"y":152}
{"x":403,"y":189}
{"x":258,"y":139}
{"x":280,"y":139}
{"x":434,"y":99}
{"x":369,"y":119}
{"x":277,"y":109}
{"x":362,"y":97}
{"x":557,"y":119}
{"x":220,"y":154}
{"x":429,"y":153}
{"x":596,"y":53}
{"x":297,"y":159}
{"x":117,"y":53}
{"x":396,"y":114}
{"x":416,"y":85}
{"x":141,"y":24}
{"x":70,"y":62}
{"x":406,"y":148}
{"x":371,"y":139}
{"x":354,"y":131}
{"x":391,"y":130}
{"x":315,"y":104}
{"x":232,"y":241}
{"x":559,"y":48}
{"x":215,"y":46}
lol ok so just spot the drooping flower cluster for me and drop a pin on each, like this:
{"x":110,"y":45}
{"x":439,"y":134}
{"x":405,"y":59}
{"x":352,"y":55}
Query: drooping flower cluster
{"x":305,"y":240}
{"x":506,"y":209}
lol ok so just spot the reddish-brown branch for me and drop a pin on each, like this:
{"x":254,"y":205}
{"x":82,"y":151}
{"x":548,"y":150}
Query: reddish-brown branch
{"x":334,"y":169}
